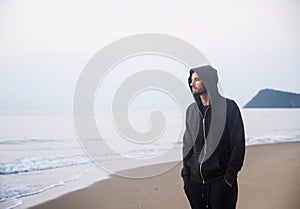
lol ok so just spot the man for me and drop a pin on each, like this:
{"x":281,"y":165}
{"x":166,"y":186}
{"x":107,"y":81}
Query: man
{"x":213,"y":144}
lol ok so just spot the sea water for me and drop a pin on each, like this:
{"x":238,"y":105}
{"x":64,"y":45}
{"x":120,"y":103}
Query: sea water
{"x":41,"y":152}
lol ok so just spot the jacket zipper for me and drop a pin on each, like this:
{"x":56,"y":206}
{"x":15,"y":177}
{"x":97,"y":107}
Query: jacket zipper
{"x":205,"y":146}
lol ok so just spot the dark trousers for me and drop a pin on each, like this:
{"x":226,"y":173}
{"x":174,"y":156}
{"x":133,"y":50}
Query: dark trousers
{"x":214,"y":195}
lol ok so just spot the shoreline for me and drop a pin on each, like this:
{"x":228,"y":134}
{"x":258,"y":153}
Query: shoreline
{"x":268,"y":180}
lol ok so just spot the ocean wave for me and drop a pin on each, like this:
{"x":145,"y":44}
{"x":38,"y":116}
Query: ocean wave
{"x":9,"y":196}
{"x":29,"y":164}
{"x":10,"y":203}
{"x":271,"y":139}
{"x":23,"y":191}
{"x":28,"y":141}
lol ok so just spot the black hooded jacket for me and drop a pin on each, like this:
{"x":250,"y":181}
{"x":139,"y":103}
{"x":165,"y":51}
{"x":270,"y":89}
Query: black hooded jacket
{"x":213,"y":142}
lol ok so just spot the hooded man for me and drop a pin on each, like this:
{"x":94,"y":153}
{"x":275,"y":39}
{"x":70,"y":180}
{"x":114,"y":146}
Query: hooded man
{"x":213,"y":144}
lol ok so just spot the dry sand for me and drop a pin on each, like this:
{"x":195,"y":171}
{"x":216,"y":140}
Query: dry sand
{"x":269,"y":180}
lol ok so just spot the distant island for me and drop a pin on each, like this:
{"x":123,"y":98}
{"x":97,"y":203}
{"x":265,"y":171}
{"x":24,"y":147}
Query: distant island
{"x":270,"y":98}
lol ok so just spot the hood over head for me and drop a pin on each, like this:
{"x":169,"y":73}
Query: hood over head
{"x":208,"y":75}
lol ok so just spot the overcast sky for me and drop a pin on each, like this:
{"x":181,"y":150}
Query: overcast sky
{"x":44,"y":45}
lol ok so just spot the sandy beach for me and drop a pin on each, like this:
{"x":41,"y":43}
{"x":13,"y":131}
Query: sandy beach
{"x":269,"y":180}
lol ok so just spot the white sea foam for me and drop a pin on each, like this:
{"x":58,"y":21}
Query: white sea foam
{"x":270,"y":139}
{"x":10,"y":203}
{"x":29,"y":164}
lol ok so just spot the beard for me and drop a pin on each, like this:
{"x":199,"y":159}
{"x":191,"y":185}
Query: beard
{"x":200,"y":91}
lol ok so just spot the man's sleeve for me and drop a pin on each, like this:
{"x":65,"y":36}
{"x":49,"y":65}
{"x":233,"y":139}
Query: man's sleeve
{"x":186,"y":150}
{"x":237,"y":143}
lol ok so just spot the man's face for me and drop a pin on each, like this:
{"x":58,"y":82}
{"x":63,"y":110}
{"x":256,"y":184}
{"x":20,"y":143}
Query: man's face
{"x":197,"y":85}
